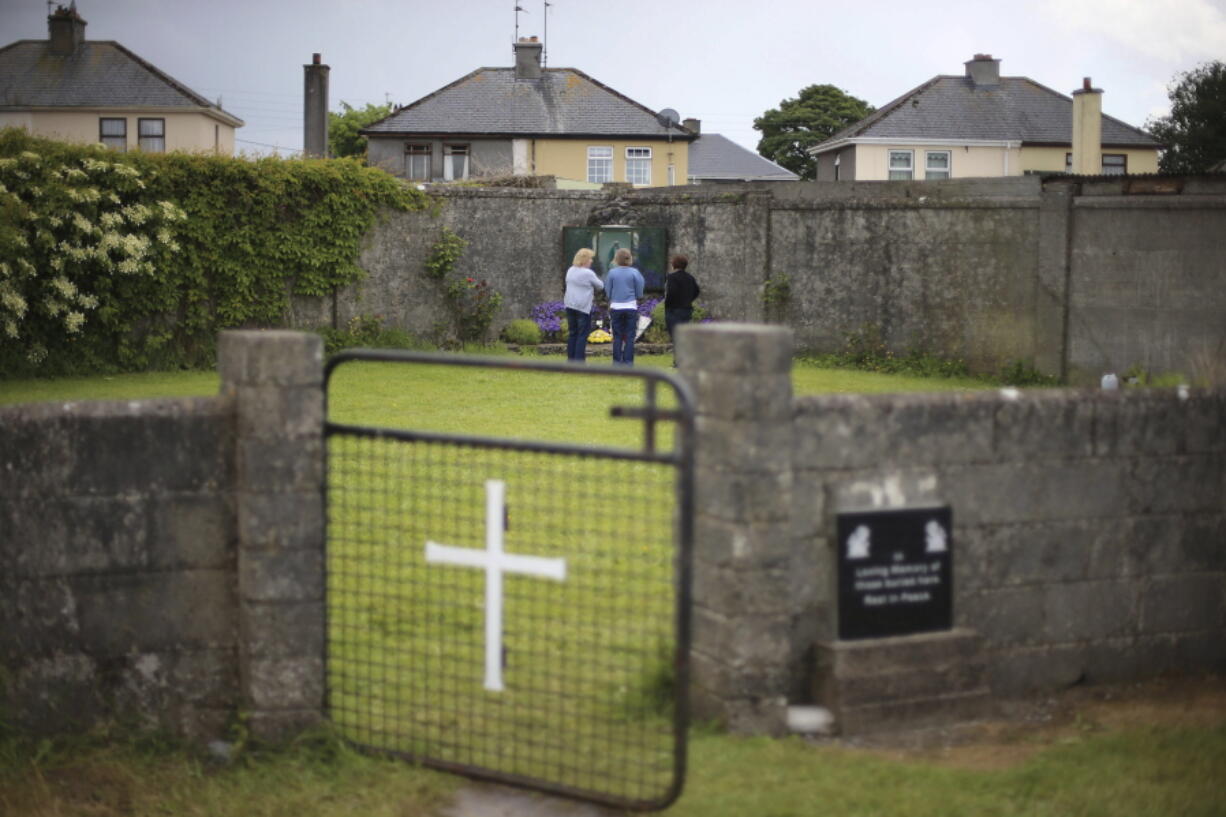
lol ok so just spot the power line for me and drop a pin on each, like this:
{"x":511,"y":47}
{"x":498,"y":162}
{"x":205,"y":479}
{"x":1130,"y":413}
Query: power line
{"x":266,"y":145}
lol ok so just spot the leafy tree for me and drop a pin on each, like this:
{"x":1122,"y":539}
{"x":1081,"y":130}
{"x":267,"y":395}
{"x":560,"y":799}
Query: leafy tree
{"x":814,"y":116}
{"x":343,"y":127}
{"x":1195,"y":132}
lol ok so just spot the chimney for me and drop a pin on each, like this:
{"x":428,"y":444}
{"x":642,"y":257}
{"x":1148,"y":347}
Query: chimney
{"x":528,"y":58}
{"x":67,"y":30}
{"x":1087,"y":130}
{"x":983,"y":70}
{"x":315,"y":107}
{"x":694,"y":126}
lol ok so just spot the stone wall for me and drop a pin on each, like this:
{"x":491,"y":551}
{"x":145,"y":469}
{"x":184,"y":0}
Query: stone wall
{"x":1147,"y":277}
{"x":1089,"y":527}
{"x":118,"y":563}
{"x":161,"y":560}
{"x":1074,"y":277}
{"x":955,"y":276}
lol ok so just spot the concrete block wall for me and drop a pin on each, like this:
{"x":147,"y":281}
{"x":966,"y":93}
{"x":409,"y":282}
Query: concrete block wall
{"x":955,"y":277}
{"x":161,"y":561}
{"x":1089,"y":527}
{"x":117,"y":549}
{"x":741,"y":378}
{"x":1147,"y":280}
{"x":275,"y":382}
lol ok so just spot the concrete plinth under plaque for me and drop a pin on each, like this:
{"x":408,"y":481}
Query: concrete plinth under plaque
{"x":903,"y":682}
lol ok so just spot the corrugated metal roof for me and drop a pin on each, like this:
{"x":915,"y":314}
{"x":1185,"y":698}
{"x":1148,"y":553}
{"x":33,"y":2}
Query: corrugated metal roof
{"x":563,"y":102}
{"x":713,"y":156}
{"x":954,"y":107}
{"x":99,"y":74}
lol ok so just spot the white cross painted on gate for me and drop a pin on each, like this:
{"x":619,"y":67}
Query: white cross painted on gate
{"x":495,"y":562}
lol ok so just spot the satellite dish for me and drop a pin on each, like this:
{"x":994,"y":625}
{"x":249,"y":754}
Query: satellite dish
{"x":668,"y":117}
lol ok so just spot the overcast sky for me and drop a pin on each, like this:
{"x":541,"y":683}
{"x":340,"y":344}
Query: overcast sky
{"x":720,"y":61}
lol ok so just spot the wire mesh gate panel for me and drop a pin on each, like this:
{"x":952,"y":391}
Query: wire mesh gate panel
{"x":515,"y":610}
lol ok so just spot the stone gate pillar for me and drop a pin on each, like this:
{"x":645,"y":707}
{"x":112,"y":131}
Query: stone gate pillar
{"x":276,"y":381}
{"x":741,"y":376}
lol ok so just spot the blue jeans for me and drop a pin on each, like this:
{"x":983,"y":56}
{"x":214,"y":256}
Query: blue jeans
{"x":625,"y":322}
{"x":578,"y":326}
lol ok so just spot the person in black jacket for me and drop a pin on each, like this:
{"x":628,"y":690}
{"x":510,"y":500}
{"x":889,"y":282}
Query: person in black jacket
{"x":680,"y":290}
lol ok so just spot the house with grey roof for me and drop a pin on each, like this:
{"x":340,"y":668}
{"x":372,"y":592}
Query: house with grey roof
{"x":531,"y":120}
{"x":716,"y":159}
{"x":983,"y":124}
{"x":78,"y":90}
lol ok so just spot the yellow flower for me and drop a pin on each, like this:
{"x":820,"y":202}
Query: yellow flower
{"x":599,"y":336}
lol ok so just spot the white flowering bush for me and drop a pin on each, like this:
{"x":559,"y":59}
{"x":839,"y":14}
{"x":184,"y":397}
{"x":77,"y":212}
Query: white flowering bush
{"x":71,"y":228}
{"x":134,"y":261}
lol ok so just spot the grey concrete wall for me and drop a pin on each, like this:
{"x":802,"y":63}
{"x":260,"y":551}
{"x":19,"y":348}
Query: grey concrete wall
{"x":161,"y":561}
{"x":274,"y":380}
{"x":742,"y":617}
{"x":955,"y":277}
{"x":117,"y":564}
{"x":515,"y":241}
{"x":1073,"y":277}
{"x":724,"y":232}
{"x":1089,"y":527}
{"x":1148,"y":280}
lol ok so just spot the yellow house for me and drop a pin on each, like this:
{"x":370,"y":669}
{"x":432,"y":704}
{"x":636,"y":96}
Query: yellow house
{"x":530,"y":120}
{"x":983,"y":124}
{"x":79,"y":90}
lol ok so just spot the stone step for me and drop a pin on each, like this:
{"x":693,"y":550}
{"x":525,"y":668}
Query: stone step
{"x":916,"y":713}
{"x":903,"y":682}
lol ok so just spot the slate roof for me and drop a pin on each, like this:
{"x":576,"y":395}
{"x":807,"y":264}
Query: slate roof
{"x":491,"y":102}
{"x":99,"y":74}
{"x":954,"y":107}
{"x":717,"y":157}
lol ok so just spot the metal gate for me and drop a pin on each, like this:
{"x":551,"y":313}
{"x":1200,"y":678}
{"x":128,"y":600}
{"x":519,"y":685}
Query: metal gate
{"x":515,"y":610}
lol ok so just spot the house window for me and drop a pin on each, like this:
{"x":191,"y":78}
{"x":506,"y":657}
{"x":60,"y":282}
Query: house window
{"x":837,"y":157}
{"x":936,"y":164}
{"x":638,"y":165}
{"x":901,"y":168}
{"x":152,"y":133}
{"x":417,"y":162}
{"x":1115,"y":164}
{"x":600,"y":164}
{"x":113,"y":133}
{"x":455,"y":162}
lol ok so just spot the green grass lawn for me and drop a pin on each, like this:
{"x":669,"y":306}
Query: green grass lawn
{"x":806,"y":379}
{"x":139,"y":386}
{"x":1141,"y":771}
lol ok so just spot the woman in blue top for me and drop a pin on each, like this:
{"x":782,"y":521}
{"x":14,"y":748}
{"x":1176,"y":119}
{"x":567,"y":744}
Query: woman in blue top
{"x":581,"y":287}
{"x":624,"y":284}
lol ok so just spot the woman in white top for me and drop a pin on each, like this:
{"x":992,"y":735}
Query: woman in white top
{"x":581,"y":287}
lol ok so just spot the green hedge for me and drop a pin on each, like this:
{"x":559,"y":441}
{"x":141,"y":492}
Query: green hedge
{"x":130,"y":261}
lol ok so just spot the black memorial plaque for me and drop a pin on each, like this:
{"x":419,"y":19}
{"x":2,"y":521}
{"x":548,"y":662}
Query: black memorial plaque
{"x":895,"y":572}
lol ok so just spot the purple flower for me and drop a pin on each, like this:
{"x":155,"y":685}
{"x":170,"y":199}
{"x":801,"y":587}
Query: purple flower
{"x":549,"y":316}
